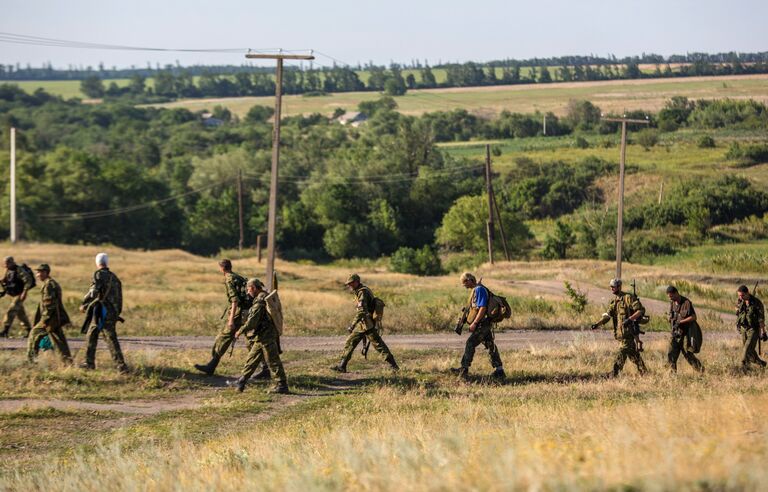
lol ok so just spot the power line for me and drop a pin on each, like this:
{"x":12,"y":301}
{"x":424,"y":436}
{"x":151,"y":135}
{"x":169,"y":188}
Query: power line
{"x":123,"y":210}
{"x":13,"y":38}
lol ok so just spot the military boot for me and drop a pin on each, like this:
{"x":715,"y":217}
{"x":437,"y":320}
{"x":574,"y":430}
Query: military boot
{"x":4,"y":333}
{"x":263,"y":374}
{"x":340,"y":367}
{"x":615,"y":373}
{"x":241,"y":382}
{"x":391,"y":360}
{"x":462,"y":372}
{"x":87,"y":366}
{"x":499,"y":374}
{"x":123,"y":368}
{"x":280,"y":388}
{"x":209,"y":368}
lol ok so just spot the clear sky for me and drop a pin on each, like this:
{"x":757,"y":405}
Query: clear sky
{"x":384,"y":31}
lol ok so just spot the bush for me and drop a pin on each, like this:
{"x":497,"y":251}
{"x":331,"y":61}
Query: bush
{"x":581,"y":143}
{"x":648,"y":138}
{"x":706,"y":142}
{"x":422,"y":261}
{"x":645,"y":246}
{"x":748,"y":155}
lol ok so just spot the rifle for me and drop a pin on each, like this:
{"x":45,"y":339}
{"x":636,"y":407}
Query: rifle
{"x":634,"y":325}
{"x":462,"y":320}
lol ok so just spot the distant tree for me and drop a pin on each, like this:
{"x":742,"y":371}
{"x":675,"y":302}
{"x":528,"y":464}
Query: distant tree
{"x":137,"y":85}
{"x":544,"y":76}
{"x":556,"y":244}
{"x":92,"y":86}
{"x":259,"y":114}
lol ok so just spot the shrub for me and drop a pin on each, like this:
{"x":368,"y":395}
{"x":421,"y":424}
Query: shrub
{"x":706,"y":142}
{"x":422,"y":261}
{"x":581,"y":143}
{"x":648,"y":138}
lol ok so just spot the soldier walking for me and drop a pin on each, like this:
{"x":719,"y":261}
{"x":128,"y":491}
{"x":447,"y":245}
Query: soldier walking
{"x":363,"y":326}
{"x":264,"y":348}
{"x":751,"y":324}
{"x":50,"y":318}
{"x":481,"y":329}
{"x":682,"y":317}
{"x":238,"y":303}
{"x":624,"y":310}
{"x":16,"y":283}
{"x":103,"y":304}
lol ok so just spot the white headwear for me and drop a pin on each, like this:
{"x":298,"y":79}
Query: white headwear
{"x":102,"y":259}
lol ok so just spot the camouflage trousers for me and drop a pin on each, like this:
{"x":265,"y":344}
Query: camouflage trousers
{"x":110,"y":336}
{"x":224,"y":339}
{"x":357,"y":335}
{"x":55,"y":335}
{"x":749,"y":339}
{"x":483,"y":334}
{"x":16,"y":310}
{"x":628,"y":350}
{"x":265,"y":349}
{"x":678,"y":345}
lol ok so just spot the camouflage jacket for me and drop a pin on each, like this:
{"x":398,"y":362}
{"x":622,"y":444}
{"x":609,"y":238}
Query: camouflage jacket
{"x":107,"y":288}
{"x":234,"y":285}
{"x":365,"y":304}
{"x":16,"y":280}
{"x":620,"y":308}
{"x":750,"y":316}
{"x":50,"y":311}
{"x":681,"y":310}
{"x":258,"y":320}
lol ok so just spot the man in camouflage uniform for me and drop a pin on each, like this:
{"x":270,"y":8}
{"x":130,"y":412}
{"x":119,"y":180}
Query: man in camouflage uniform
{"x":481,"y":329}
{"x":623,"y":310}
{"x":104,"y":303}
{"x":751,"y":323}
{"x":238,"y":303}
{"x":363,"y":326}
{"x":50,"y":318}
{"x":683,"y":319}
{"x":16,"y":283}
{"x":264,"y":346}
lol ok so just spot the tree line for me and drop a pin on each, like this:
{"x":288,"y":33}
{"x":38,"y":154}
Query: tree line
{"x":156,"y":178}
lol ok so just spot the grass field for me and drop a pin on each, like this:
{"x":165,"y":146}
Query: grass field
{"x":557,"y":423}
{"x":615,"y":96}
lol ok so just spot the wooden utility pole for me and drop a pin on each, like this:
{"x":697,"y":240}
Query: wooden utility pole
{"x":489,"y":192}
{"x":275,"y":156}
{"x":544,"y":123}
{"x":13,"y":185}
{"x":240,"y":207}
{"x":620,"y":218}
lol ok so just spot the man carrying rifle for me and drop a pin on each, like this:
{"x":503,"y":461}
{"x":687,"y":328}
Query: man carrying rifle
{"x":16,"y":283}
{"x":625,"y":311}
{"x":238,"y":303}
{"x":480,"y":327}
{"x":103,"y":304}
{"x":363,"y":326}
{"x":750,"y":322}
{"x":264,"y":335}
{"x":682,"y":317}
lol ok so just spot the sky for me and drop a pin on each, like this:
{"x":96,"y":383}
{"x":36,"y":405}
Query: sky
{"x":352,"y":32}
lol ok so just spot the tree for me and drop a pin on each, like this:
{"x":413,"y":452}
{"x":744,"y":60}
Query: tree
{"x":544,"y":76}
{"x":556,"y":245}
{"x":464,"y":227}
{"x":92,"y":87}
{"x":259,"y":114}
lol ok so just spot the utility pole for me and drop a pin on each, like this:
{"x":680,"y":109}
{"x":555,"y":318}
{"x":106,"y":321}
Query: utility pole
{"x":275,"y":156}
{"x":240,"y":206}
{"x":489,"y":192}
{"x":13,"y":185}
{"x":620,"y":218}
{"x":545,"y":124}
{"x":661,"y":191}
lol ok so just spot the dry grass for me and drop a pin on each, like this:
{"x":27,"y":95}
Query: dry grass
{"x":557,"y":424}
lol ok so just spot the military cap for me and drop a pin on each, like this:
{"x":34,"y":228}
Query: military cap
{"x":352,"y":278}
{"x":43,"y":267}
{"x":256,"y":283}
{"x":615,"y":282}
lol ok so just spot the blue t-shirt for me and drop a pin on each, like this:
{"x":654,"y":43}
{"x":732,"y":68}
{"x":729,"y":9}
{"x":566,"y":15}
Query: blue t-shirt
{"x":481,"y":296}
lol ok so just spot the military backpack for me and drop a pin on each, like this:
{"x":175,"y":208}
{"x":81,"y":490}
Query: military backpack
{"x":498,"y":307}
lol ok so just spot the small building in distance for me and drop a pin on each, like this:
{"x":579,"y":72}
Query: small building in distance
{"x":352,"y":118}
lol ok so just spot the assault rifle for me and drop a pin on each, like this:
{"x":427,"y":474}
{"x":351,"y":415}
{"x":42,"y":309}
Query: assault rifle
{"x":462,"y":320}
{"x":633,"y":325}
